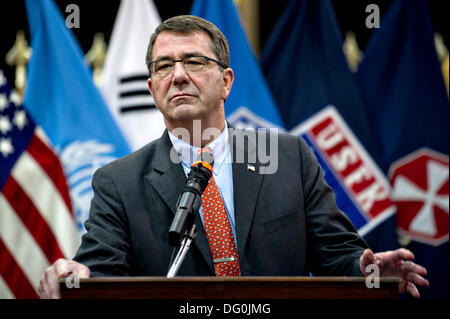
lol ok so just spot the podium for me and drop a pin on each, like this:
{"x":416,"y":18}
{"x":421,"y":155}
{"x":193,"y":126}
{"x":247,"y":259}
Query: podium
{"x":213,"y":288}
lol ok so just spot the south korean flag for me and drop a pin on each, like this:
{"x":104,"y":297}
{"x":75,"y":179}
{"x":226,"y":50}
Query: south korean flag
{"x":124,"y":78}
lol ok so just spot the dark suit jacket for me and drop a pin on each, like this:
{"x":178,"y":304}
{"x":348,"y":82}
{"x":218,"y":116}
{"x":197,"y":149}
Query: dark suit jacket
{"x":287,"y":223}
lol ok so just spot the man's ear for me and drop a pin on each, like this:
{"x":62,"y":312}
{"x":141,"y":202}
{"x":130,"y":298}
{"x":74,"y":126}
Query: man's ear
{"x":149,"y":83}
{"x":150,"y":88}
{"x":228,"y":78}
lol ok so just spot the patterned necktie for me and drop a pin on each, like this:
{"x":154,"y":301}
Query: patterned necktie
{"x":218,"y":231}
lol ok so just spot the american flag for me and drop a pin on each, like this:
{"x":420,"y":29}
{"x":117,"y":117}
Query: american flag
{"x":37,"y":225}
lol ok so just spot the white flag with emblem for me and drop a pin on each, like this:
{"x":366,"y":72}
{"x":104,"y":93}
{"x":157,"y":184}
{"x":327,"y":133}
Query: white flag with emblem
{"x":124,"y":79}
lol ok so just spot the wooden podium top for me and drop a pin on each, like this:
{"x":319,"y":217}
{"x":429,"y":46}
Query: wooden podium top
{"x":229,"y":288}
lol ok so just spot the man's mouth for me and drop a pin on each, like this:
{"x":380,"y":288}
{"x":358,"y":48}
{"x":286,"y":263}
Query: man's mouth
{"x":180,"y":96}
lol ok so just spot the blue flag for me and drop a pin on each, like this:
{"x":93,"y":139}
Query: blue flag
{"x":250,"y":103}
{"x":61,"y":97}
{"x":319,"y":99}
{"x":406,"y":100}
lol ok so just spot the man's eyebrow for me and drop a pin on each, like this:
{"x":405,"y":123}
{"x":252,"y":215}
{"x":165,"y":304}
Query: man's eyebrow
{"x":195,"y":53}
{"x":185,"y":55}
{"x":164,"y":57}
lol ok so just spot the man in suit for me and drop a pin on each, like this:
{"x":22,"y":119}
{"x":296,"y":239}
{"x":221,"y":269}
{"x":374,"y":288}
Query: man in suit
{"x":281,"y":221}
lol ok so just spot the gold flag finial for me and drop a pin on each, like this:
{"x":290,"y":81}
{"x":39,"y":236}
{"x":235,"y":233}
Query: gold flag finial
{"x":445,"y":72}
{"x":352,"y":52}
{"x":248,"y":11}
{"x":442,"y":52}
{"x":441,"y":49}
{"x":96,"y":57}
{"x":18,"y":56}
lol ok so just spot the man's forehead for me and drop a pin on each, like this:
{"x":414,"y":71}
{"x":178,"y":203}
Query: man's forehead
{"x":195,"y":41}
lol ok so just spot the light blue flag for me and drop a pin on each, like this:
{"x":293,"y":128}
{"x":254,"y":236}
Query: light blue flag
{"x":250,"y":103}
{"x":62,"y":99}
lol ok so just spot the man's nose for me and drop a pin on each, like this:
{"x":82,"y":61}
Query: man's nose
{"x":180,"y":75}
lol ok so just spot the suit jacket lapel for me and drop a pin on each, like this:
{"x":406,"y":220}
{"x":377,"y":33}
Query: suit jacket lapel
{"x":169,"y":179}
{"x":246,"y":184}
{"x":169,"y":183}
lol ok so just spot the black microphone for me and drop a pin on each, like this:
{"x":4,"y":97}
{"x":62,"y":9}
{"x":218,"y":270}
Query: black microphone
{"x":190,"y":199}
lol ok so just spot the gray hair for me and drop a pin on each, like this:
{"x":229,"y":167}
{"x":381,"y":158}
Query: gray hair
{"x":189,"y":24}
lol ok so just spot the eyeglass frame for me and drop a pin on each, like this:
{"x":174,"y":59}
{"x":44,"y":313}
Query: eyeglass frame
{"x":181,"y":60}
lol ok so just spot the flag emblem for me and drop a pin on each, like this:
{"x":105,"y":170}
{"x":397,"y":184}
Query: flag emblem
{"x":362,"y":191}
{"x":80,"y":160}
{"x":421,"y":192}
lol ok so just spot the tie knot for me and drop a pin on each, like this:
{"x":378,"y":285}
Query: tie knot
{"x":204,"y":155}
{"x":204,"y":150}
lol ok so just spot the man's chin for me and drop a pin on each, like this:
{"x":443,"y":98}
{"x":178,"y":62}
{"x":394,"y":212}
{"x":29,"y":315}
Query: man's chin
{"x":186,"y":112}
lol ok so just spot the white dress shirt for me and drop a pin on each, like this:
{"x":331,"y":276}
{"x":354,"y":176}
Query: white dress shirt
{"x":222,"y":169}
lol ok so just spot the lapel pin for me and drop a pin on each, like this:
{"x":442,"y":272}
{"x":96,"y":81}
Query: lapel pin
{"x":251,"y":167}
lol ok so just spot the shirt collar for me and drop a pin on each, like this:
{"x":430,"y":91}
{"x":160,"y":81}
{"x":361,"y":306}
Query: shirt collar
{"x":188,"y":153}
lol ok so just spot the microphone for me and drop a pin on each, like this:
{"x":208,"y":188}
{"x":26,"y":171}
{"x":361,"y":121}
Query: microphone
{"x":190,"y":199}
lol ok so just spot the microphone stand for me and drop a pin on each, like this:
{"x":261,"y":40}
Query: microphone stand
{"x":188,"y":206}
{"x":185,"y":245}
{"x":189,"y":211}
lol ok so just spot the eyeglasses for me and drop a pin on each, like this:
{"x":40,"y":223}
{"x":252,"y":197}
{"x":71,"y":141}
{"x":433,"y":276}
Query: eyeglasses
{"x":193,"y":64}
